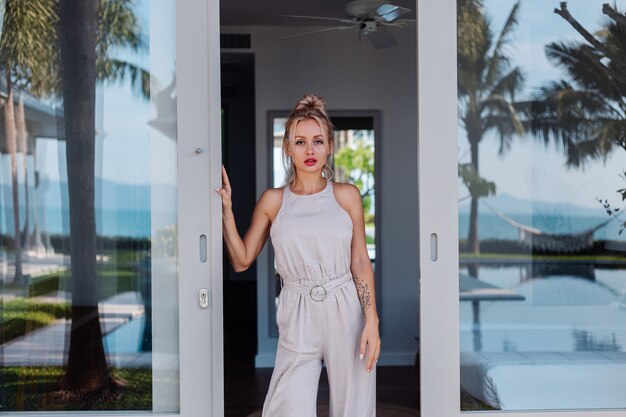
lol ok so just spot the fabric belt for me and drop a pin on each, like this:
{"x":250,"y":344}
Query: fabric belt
{"x":317,"y":292}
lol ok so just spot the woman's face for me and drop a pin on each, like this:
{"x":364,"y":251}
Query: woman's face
{"x":309,"y":148}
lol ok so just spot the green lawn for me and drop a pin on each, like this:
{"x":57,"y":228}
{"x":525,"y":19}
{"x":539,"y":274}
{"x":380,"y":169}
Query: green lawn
{"x":22,"y":315}
{"x":114,"y":278}
{"x":33,"y":388}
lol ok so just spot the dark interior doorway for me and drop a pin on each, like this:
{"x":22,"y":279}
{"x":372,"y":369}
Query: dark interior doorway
{"x":238,"y":156}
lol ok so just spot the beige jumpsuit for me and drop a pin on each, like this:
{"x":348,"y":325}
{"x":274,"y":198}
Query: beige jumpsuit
{"x":319,"y":314}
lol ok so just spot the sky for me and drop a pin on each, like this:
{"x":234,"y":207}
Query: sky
{"x":129,"y":150}
{"x":530,"y":170}
{"x":135,"y":153}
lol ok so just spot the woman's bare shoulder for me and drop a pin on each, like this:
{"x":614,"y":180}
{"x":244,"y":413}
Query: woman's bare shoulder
{"x":271,"y":200}
{"x":347,"y":195}
{"x":347,"y":189}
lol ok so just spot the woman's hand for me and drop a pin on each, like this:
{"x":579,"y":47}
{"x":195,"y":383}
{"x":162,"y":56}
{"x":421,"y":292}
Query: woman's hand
{"x":371,"y":339}
{"x":225,"y":191}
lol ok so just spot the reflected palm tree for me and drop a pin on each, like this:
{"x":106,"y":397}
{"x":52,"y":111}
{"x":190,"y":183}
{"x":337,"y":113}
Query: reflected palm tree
{"x":27,"y":59}
{"x":22,"y":147}
{"x":79,"y":35}
{"x":487,"y":84}
{"x":88,"y":30}
{"x":585,"y":112}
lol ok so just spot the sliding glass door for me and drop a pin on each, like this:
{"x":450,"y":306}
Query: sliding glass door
{"x":106,"y":281}
{"x":523,"y":251}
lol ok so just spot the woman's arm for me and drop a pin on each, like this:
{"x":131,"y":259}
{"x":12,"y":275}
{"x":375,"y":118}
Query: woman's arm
{"x":362,"y":273}
{"x":243,"y":252}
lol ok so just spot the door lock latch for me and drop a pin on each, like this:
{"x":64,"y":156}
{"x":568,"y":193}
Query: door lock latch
{"x":203,"y":298}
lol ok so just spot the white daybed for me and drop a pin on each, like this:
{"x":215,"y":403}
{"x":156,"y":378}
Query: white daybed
{"x":546,"y":380}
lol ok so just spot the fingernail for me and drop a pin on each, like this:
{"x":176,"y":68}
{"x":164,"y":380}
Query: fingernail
{"x":361,"y":356}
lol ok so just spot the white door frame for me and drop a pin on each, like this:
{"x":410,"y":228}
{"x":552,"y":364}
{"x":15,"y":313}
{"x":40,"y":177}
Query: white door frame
{"x":438,"y":215}
{"x":437,"y":201}
{"x":200,"y":208}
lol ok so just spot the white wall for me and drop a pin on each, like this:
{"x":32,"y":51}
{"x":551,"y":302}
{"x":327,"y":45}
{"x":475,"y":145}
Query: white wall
{"x":352,"y":76}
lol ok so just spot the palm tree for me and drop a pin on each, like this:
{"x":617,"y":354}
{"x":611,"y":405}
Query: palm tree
{"x":87,"y":31}
{"x":585,"y":113}
{"x":487,"y":83}
{"x":61,"y":48}
{"x":26,"y":58}
{"x":22,"y":147}
{"x":11,"y":134}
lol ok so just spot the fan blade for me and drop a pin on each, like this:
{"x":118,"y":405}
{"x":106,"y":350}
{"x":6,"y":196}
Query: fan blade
{"x":389,"y":12}
{"x":316,"y":31}
{"x":400,"y":23}
{"x":335,"y":19}
{"x":382,"y":38}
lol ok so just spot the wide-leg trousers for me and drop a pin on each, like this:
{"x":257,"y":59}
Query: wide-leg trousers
{"x":313,"y":331}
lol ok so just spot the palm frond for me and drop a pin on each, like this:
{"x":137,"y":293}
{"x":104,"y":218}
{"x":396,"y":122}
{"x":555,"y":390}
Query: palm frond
{"x":470,"y":26}
{"x":584,"y":123}
{"x":118,"y":26}
{"x":509,"y":83}
{"x":502,"y":117}
{"x":28,"y":44}
{"x":584,"y":65}
{"x":476,"y":185}
{"x":616,"y":46}
{"x":114,"y":70}
{"x":499,"y":62}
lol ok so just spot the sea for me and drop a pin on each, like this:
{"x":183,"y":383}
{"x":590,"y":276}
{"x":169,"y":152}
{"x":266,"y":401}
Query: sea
{"x":139,"y":223}
{"x":491,"y":226}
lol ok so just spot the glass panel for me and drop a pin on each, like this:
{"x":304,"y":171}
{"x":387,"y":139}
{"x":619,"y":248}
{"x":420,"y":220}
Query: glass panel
{"x":541,"y":191}
{"x":88,"y":221}
{"x":353,"y":163}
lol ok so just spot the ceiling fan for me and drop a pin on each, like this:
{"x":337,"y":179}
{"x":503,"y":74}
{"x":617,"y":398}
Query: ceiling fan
{"x":370,"y":17}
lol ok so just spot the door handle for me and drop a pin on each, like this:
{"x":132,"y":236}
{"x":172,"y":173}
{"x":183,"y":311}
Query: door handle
{"x":203,"y":248}
{"x":434,"y":249}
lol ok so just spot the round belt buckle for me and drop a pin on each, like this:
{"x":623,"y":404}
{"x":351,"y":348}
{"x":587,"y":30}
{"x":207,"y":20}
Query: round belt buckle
{"x":318,"y":293}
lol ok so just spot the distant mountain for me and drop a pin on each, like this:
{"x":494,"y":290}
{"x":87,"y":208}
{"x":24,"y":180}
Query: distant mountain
{"x":112,"y":195}
{"x":513,"y":205}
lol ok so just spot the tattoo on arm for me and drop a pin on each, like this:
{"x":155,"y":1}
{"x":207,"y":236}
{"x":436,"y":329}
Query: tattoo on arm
{"x":364,"y":294}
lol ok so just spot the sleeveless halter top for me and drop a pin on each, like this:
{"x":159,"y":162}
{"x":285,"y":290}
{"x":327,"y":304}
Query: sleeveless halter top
{"x":312,"y":237}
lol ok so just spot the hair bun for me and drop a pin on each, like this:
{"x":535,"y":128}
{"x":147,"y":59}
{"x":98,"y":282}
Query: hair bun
{"x":311,"y":102}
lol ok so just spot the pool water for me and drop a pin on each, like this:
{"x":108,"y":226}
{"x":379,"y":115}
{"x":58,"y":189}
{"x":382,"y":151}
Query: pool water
{"x":125,"y":338}
{"x":560,"y":313}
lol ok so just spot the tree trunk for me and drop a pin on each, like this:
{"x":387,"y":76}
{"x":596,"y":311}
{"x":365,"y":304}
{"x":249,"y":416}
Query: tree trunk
{"x":473,"y":245}
{"x":22,"y":147}
{"x":11,"y":134}
{"x":87,"y":371}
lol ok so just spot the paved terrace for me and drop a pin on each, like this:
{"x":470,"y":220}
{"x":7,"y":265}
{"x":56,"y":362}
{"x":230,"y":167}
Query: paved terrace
{"x":47,"y":346}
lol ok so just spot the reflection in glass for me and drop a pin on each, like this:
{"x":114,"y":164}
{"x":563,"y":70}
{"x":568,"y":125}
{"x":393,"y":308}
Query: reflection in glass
{"x":542,"y":258}
{"x":87,"y":207}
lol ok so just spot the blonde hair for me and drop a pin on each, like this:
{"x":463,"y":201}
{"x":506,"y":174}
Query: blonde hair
{"x":309,"y":107}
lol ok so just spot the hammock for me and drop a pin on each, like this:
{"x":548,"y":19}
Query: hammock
{"x":534,"y":238}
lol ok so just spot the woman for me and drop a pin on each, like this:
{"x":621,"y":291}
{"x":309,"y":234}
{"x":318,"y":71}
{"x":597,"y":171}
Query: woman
{"x":327,"y":306}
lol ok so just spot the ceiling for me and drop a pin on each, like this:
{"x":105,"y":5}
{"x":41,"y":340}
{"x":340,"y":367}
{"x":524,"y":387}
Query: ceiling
{"x":270,"y":12}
